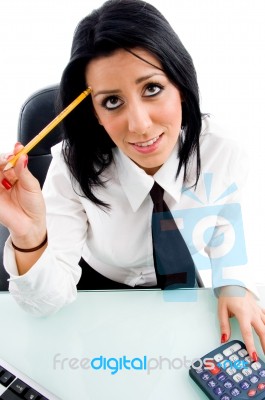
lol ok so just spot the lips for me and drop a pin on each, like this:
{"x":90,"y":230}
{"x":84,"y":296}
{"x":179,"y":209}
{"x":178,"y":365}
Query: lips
{"x":149,"y":146}
{"x":147,"y":143}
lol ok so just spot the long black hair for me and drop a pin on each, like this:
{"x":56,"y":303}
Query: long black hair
{"x":123,"y":24}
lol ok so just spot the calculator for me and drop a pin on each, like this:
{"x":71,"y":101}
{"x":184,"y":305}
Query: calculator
{"x":228,"y":373}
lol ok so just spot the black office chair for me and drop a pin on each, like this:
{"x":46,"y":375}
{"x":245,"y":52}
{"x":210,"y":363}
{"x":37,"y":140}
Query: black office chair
{"x":37,"y":111}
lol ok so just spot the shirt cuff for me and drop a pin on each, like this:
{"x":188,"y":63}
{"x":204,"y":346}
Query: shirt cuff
{"x":236,"y":276}
{"x":46,"y":287}
{"x":28,"y":280}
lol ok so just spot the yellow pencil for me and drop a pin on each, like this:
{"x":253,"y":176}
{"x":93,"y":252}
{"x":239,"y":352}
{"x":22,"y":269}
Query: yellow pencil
{"x":48,"y":128}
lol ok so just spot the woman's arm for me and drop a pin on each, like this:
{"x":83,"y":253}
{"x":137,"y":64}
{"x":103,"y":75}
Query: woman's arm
{"x":22,"y":210}
{"x":50,"y":282}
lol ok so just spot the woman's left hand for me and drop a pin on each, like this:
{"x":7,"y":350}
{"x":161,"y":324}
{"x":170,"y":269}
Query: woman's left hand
{"x":236,"y":301}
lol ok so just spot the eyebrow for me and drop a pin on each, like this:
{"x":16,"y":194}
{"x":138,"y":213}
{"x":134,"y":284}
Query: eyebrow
{"x":137,"y":81}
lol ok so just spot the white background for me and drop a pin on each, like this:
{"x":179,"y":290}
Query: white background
{"x":226,"y":39}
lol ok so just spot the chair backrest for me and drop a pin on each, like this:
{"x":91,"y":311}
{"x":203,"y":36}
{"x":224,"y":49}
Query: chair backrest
{"x":37,"y":111}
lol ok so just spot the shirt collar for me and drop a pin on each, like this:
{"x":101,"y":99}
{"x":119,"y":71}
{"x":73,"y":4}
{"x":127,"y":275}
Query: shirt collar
{"x":137,"y":184}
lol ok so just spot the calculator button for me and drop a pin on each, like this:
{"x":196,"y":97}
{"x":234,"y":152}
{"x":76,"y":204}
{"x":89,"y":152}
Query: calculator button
{"x":256,"y":365}
{"x":215,"y":370}
{"x":240,"y":364}
{"x":235,"y":392}
{"x":238,"y":377}
{"x":224,"y":364}
{"x":252,"y":392}
{"x":211,"y":383}
{"x":208,"y":364}
{"x":261,"y":386}
{"x":198,"y":370}
{"x":235,"y":347}
{"x":234,"y":357}
{"x":232,"y":349}
{"x":219,"y":390}
{"x":262,"y":373}
{"x":218,"y":357}
{"x":248,"y":360}
{"x":228,"y":384}
{"x":246,"y":371}
{"x":221,"y":377}
{"x":244,"y":385}
{"x":205,"y":376}
{"x":231,"y":371}
{"x":243,"y":353}
{"x":225,"y":397}
{"x":254,"y":379}
{"x":228,"y":352}
{"x":197,"y":366}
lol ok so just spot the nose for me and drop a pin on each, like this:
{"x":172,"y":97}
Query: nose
{"x":139,"y":120}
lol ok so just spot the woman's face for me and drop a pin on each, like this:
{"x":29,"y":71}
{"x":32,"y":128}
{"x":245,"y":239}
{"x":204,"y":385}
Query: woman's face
{"x":137,"y":105}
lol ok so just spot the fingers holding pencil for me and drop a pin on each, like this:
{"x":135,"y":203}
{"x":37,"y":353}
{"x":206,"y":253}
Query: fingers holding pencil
{"x":21,"y":201}
{"x":9,"y":178}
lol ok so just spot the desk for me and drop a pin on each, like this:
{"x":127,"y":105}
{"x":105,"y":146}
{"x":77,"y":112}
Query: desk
{"x":114,"y":324}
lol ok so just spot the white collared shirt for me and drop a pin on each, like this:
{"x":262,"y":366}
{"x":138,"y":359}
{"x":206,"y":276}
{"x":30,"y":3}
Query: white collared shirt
{"x":118,"y":242}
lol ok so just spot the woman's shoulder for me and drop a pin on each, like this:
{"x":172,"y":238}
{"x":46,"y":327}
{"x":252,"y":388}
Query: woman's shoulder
{"x":215,"y":138}
{"x":221,"y":153}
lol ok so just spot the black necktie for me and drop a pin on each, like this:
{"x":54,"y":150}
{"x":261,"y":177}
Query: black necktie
{"x":173,"y":262}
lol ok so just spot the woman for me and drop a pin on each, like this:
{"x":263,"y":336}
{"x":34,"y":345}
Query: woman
{"x":142,"y":124}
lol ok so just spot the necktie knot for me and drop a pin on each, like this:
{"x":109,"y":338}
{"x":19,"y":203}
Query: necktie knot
{"x":157,"y":193}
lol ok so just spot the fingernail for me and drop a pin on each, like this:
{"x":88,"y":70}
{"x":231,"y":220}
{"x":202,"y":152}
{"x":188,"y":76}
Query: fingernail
{"x":223,"y":338}
{"x":6,"y":184}
{"x":254,"y":356}
{"x":26,"y":161}
{"x":17,"y":144}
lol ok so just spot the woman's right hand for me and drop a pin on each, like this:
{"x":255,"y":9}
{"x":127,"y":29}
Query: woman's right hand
{"x":22,"y":207}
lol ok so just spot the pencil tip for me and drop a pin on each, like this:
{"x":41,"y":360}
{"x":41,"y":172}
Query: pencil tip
{"x":8,"y":166}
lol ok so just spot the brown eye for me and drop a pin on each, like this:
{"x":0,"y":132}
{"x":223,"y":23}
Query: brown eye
{"x":112,"y":102}
{"x":152,"y":89}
